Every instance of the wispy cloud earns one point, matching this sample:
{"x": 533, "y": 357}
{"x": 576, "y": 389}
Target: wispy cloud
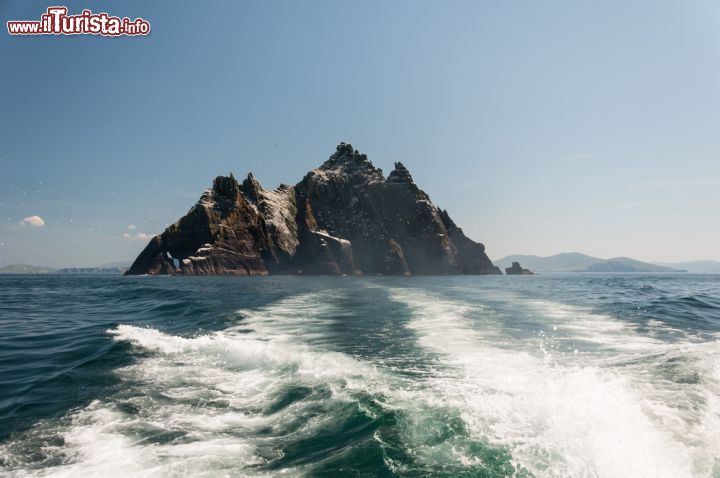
{"x": 131, "y": 227}
{"x": 35, "y": 221}
{"x": 140, "y": 236}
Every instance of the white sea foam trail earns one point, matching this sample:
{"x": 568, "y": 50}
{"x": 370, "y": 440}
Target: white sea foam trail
{"x": 219, "y": 404}
{"x": 652, "y": 411}
{"x": 348, "y": 381}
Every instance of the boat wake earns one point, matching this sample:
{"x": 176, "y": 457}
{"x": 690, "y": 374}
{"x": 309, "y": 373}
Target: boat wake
{"x": 311, "y": 385}
{"x": 630, "y": 405}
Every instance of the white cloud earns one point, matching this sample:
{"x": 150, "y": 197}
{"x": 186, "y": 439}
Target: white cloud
{"x": 36, "y": 221}
{"x": 131, "y": 227}
{"x": 140, "y": 236}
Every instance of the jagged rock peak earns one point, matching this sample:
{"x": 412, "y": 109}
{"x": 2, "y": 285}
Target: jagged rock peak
{"x": 226, "y": 187}
{"x": 344, "y": 217}
{"x": 346, "y": 156}
{"x": 446, "y": 219}
{"x": 251, "y": 188}
{"x": 400, "y": 174}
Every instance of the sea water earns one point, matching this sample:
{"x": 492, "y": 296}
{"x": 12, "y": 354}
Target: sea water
{"x": 547, "y": 376}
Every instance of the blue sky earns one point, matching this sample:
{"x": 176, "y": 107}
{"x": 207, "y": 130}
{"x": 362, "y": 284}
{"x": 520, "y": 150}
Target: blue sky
{"x": 542, "y": 127}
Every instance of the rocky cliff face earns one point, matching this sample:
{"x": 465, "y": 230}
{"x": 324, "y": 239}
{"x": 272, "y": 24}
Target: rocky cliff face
{"x": 344, "y": 217}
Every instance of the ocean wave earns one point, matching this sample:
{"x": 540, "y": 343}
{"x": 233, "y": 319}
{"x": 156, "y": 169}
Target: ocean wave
{"x": 375, "y": 377}
{"x": 563, "y": 413}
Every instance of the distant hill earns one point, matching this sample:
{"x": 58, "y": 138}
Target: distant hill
{"x": 110, "y": 268}
{"x": 626, "y": 264}
{"x": 91, "y": 270}
{"x": 25, "y": 269}
{"x": 698, "y": 267}
{"x": 577, "y": 262}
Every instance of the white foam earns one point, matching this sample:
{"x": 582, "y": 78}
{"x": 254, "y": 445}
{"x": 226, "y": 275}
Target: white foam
{"x": 209, "y": 393}
{"x": 570, "y": 415}
{"x": 581, "y": 324}
{"x": 608, "y": 411}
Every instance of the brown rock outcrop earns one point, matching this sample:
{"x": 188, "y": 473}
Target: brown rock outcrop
{"x": 344, "y": 217}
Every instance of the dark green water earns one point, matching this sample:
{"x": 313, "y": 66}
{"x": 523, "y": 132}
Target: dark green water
{"x": 546, "y": 376}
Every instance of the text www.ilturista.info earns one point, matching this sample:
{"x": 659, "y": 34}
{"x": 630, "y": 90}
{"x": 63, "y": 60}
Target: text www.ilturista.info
{"x": 56, "y": 21}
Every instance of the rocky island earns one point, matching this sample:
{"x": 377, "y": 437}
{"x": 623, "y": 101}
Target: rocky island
{"x": 517, "y": 270}
{"x": 344, "y": 217}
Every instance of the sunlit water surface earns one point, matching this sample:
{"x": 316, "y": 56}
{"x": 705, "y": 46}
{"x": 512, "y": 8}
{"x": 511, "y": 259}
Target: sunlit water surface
{"x": 546, "y": 376}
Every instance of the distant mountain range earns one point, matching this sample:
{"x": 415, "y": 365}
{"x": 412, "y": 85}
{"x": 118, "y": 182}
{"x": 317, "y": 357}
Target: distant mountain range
{"x": 25, "y": 269}
{"x": 91, "y": 270}
{"x": 112, "y": 268}
{"x": 698, "y": 267}
{"x": 577, "y": 262}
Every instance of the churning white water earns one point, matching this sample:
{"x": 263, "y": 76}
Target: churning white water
{"x": 396, "y": 377}
{"x": 614, "y": 409}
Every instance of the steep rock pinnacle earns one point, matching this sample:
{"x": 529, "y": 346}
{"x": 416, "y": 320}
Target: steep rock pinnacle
{"x": 344, "y": 217}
